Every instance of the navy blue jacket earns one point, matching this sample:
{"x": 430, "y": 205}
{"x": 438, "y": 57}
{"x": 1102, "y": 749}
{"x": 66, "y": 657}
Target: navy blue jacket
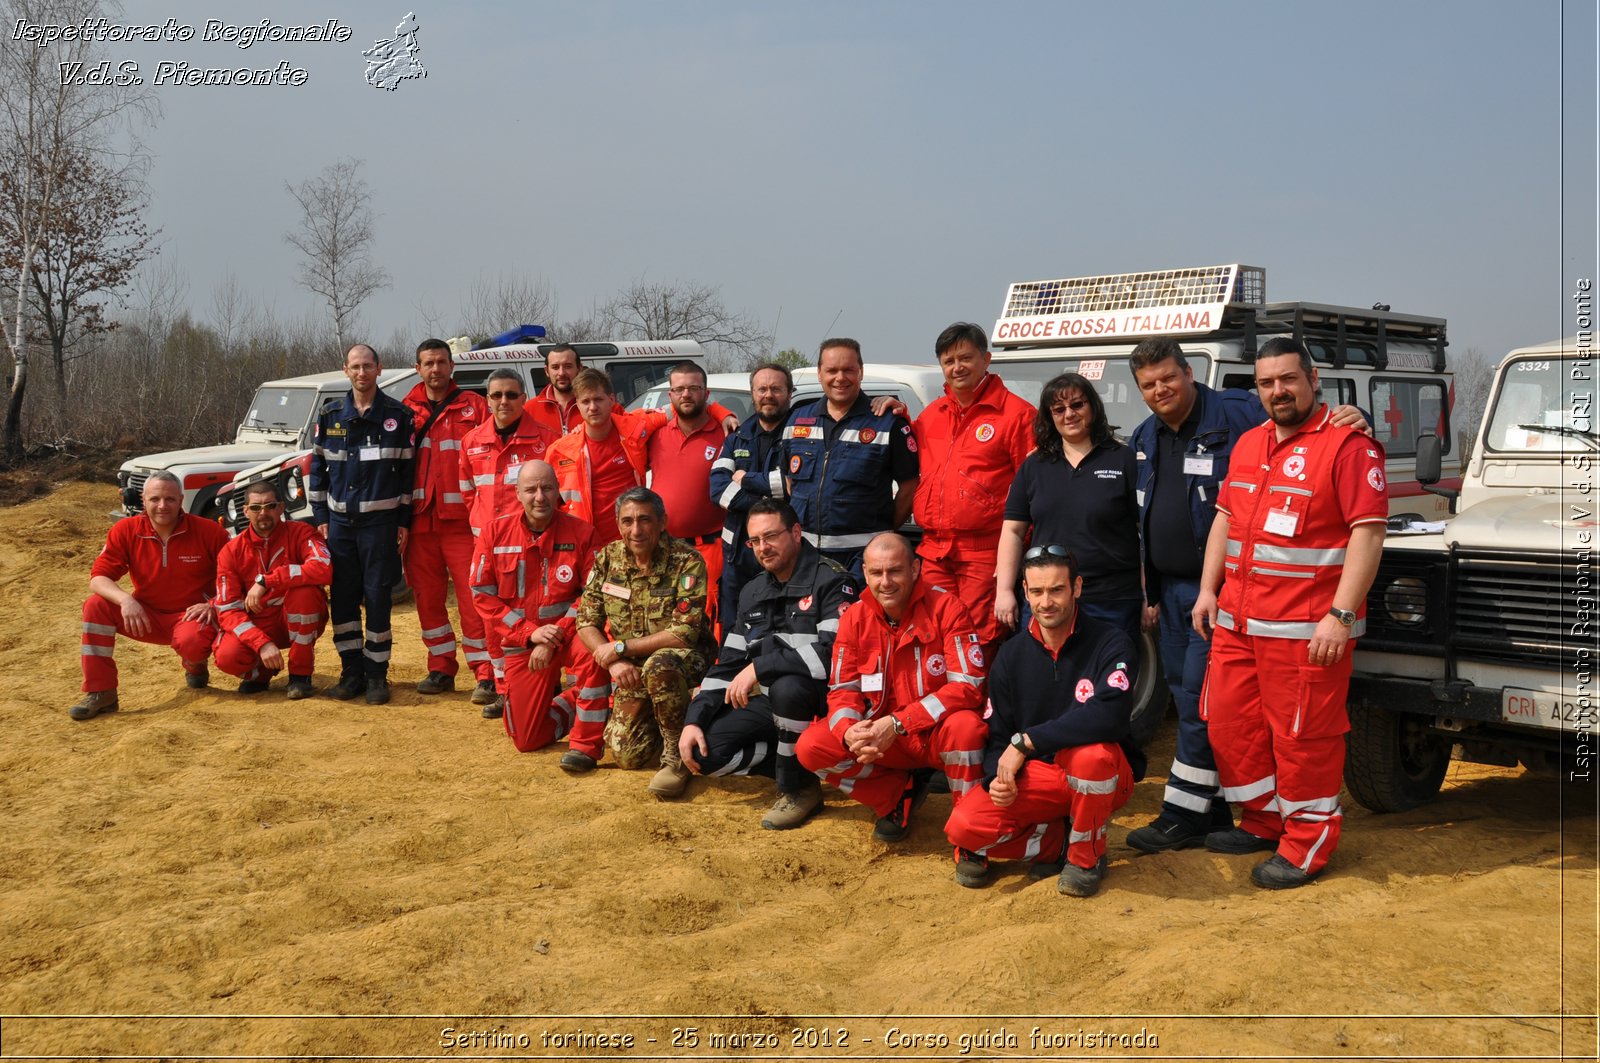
{"x": 841, "y": 473}
{"x": 361, "y": 464}
{"x": 756, "y": 452}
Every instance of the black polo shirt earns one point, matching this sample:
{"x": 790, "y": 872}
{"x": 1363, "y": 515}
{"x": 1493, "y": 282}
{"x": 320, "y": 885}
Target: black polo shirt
{"x": 1091, "y": 510}
{"x": 1170, "y": 528}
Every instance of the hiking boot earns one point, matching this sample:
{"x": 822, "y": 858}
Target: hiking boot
{"x": 254, "y": 685}
{"x": 198, "y": 679}
{"x": 1165, "y": 834}
{"x": 496, "y": 708}
{"x": 350, "y": 685}
{"x": 794, "y": 809}
{"x": 1276, "y": 873}
{"x": 483, "y": 693}
{"x": 93, "y": 704}
{"x": 299, "y": 687}
{"x": 672, "y": 778}
{"x": 897, "y": 824}
{"x": 378, "y": 690}
{"x": 1043, "y": 869}
{"x": 1237, "y": 841}
{"x": 972, "y": 869}
{"x": 575, "y": 763}
{"x": 1078, "y": 881}
{"x": 436, "y": 683}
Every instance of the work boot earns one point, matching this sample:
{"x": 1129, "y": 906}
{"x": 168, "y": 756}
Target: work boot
{"x": 256, "y": 682}
{"x": 672, "y": 778}
{"x": 574, "y": 762}
{"x": 1276, "y": 873}
{"x": 1078, "y": 881}
{"x": 496, "y": 707}
{"x": 972, "y": 869}
{"x": 377, "y": 690}
{"x": 794, "y": 809}
{"x": 1237, "y": 841}
{"x": 299, "y": 687}
{"x": 1049, "y": 868}
{"x": 196, "y": 677}
{"x": 1166, "y": 833}
{"x": 897, "y": 824}
{"x": 93, "y": 704}
{"x": 483, "y": 693}
{"x": 350, "y": 685}
{"x": 436, "y": 683}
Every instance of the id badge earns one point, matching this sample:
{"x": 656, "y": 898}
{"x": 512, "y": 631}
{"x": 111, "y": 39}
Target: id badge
{"x": 368, "y": 454}
{"x": 616, "y": 590}
{"x": 872, "y": 682}
{"x": 1197, "y": 464}
{"x": 1282, "y": 522}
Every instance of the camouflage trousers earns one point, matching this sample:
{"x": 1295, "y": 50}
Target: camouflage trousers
{"x": 640, "y": 739}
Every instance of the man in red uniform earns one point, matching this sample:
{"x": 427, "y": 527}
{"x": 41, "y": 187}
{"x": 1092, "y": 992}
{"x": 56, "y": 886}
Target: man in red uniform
{"x": 172, "y": 559}
{"x": 491, "y": 455}
{"x": 439, "y": 548}
{"x": 972, "y": 441}
{"x": 680, "y": 455}
{"x": 556, "y": 406}
{"x": 904, "y": 695}
{"x": 1294, "y": 548}
{"x": 270, "y": 594}
{"x": 530, "y": 569}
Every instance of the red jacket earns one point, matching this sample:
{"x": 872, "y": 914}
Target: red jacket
{"x": 294, "y": 556}
{"x": 571, "y": 458}
{"x": 521, "y": 582}
{"x": 969, "y": 458}
{"x": 489, "y": 466}
{"x": 922, "y": 670}
{"x": 167, "y": 577}
{"x": 546, "y": 408}
{"x": 439, "y": 494}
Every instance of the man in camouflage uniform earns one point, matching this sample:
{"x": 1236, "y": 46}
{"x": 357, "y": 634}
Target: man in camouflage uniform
{"x": 643, "y": 617}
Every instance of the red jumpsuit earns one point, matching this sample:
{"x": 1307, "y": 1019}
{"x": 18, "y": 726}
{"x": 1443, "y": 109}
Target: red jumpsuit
{"x": 439, "y": 547}
{"x": 167, "y": 578}
{"x": 969, "y": 458}
{"x": 295, "y": 562}
{"x": 1277, "y": 722}
{"x": 924, "y": 672}
{"x": 522, "y": 581}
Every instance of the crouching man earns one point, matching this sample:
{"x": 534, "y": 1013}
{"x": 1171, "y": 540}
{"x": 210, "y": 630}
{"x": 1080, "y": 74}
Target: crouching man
{"x": 907, "y": 681}
{"x": 270, "y": 594}
{"x": 526, "y": 579}
{"x": 1058, "y": 761}
{"x": 771, "y": 679}
{"x": 643, "y": 618}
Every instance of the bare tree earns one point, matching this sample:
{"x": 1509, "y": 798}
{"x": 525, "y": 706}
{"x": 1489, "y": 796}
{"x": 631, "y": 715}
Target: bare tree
{"x": 233, "y": 312}
{"x": 492, "y": 307}
{"x": 335, "y": 235}
{"x": 48, "y": 112}
{"x": 1474, "y": 373}
{"x": 683, "y": 311}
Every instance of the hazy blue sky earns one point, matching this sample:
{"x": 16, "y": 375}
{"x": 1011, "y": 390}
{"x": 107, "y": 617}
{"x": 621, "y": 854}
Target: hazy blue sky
{"x": 897, "y": 164}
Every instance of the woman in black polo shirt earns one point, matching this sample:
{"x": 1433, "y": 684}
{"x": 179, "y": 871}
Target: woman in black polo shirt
{"x": 1075, "y": 490}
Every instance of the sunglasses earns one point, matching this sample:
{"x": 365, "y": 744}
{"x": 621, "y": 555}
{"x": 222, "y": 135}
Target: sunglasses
{"x": 1052, "y": 550}
{"x": 262, "y": 507}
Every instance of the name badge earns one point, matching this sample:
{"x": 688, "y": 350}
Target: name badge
{"x": 616, "y": 591}
{"x": 872, "y": 682}
{"x": 1282, "y": 521}
{"x": 1197, "y": 464}
{"x": 368, "y": 454}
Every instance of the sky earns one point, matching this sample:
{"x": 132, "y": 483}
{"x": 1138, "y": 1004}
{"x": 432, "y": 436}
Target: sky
{"x": 879, "y": 169}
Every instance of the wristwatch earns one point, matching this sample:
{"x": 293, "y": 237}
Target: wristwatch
{"x": 621, "y": 646}
{"x": 1019, "y": 742}
{"x": 261, "y": 580}
{"x": 1344, "y": 616}
{"x": 899, "y": 728}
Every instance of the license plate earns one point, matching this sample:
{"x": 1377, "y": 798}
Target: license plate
{"x": 1541, "y": 708}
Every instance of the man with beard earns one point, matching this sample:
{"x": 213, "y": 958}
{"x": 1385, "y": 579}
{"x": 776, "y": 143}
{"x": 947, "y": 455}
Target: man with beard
{"x": 1294, "y": 548}
{"x": 556, "y": 406}
{"x": 748, "y": 471}
{"x": 679, "y": 456}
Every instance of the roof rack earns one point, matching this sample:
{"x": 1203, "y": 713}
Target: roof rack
{"x": 1375, "y": 328}
{"x": 1158, "y": 302}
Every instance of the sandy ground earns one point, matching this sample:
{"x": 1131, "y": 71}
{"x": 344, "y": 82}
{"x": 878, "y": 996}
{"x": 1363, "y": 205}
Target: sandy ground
{"x": 202, "y": 874}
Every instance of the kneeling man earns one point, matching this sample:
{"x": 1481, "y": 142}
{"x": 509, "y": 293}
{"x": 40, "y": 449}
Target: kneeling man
{"x": 771, "y": 679}
{"x": 907, "y": 683}
{"x": 1058, "y": 761}
{"x": 643, "y": 618}
{"x": 526, "y": 579}
{"x": 270, "y": 594}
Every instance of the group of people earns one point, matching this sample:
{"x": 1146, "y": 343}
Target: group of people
{"x": 733, "y": 599}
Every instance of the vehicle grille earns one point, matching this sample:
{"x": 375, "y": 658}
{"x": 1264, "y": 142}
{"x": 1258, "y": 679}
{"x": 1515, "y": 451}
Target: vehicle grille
{"x": 1524, "y": 611}
{"x": 133, "y": 493}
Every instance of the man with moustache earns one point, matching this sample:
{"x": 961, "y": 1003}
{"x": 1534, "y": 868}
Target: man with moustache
{"x": 748, "y": 471}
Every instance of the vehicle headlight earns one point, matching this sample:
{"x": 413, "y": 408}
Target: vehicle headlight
{"x": 294, "y": 490}
{"x": 1406, "y": 601}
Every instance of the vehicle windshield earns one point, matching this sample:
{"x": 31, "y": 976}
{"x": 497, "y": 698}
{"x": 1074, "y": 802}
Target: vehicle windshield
{"x": 1534, "y": 412}
{"x": 1111, "y": 377}
{"x": 280, "y": 409}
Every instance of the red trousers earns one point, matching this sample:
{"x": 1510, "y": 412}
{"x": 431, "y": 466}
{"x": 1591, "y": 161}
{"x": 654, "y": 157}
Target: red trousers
{"x": 102, "y": 623}
{"x": 1277, "y": 726}
{"x": 1083, "y": 784}
{"x": 954, "y": 746}
{"x": 968, "y": 574}
{"x": 433, "y": 558}
{"x": 712, "y": 553}
{"x": 535, "y": 713}
{"x": 297, "y": 624}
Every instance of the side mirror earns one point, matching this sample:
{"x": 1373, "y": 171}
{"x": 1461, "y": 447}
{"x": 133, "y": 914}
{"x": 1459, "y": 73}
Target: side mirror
{"x": 1429, "y": 461}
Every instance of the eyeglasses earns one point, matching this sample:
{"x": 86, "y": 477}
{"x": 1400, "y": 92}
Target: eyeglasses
{"x": 262, "y": 507}
{"x": 1052, "y": 550}
{"x": 1061, "y": 408}
{"x": 687, "y": 389}
{"x": 769, "y": 539}
{"x": 504, "y": 396}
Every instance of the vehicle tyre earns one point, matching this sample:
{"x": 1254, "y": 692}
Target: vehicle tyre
{"x": 1393, "y": 762}
{"x": 1150, "y": 694}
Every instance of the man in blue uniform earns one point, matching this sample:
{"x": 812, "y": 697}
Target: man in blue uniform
{"x": 747, "y": 472}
